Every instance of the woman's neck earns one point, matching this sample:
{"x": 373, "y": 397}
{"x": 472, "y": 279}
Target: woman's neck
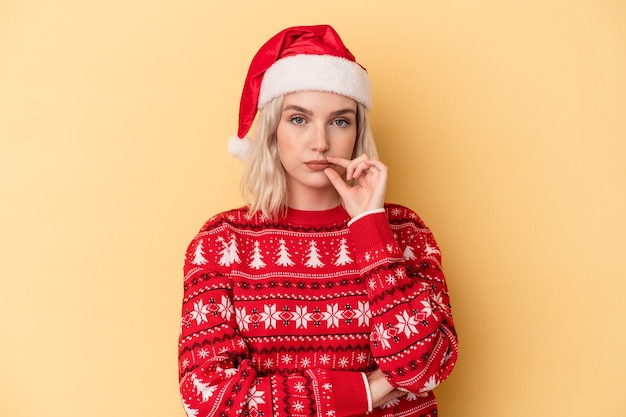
{"x": 314, "y": 201}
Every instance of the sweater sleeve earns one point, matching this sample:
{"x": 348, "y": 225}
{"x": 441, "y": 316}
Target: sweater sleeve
{"x": 413, "y": 338}
{"x": 216, "y": 373}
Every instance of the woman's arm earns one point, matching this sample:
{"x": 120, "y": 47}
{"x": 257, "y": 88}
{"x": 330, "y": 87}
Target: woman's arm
{"x": 217, "y": 376}
{"x": 413, "y": 338}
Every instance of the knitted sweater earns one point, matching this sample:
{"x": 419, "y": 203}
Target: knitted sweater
{"x": 287, "y": 317}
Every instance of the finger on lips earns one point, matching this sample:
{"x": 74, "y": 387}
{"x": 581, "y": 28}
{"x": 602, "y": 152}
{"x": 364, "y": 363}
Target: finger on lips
{"x": 338, "y": 161}
{"x": 356, "y": 167}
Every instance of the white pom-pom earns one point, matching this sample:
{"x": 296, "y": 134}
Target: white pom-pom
{"x": 238, "y": 147}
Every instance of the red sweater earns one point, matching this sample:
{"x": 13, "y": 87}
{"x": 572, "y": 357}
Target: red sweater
{"x": 285, "y": 318}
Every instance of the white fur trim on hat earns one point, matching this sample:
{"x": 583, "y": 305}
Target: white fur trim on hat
{"x": 316, "y": 73}
{"x": 239, "y": 147}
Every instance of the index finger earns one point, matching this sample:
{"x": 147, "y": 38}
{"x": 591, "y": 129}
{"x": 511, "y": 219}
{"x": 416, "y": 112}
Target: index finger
{"x": 342, "y": 162}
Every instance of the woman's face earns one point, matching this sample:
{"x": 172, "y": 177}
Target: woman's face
{"x": 314, "y": 125}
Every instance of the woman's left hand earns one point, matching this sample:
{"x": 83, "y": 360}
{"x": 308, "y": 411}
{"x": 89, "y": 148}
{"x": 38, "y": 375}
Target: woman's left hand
{"x": 369, "y": 183}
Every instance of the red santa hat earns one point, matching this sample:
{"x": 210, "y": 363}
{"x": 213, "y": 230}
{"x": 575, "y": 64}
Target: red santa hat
{"x": 302, "y": 58}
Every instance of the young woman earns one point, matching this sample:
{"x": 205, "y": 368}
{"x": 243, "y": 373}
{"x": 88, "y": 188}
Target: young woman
{"x": 317, "y": 298}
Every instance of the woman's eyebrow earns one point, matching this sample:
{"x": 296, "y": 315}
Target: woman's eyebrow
{"x": 343, "y": 111}
{"x": 309, "y": 112}
{"x": 298, "y": 109}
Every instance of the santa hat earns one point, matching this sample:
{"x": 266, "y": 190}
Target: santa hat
{"x": 302, "y": 58}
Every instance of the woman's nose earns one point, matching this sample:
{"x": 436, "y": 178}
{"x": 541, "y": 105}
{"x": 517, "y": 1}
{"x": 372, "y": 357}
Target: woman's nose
{"x": 320, "y": 138}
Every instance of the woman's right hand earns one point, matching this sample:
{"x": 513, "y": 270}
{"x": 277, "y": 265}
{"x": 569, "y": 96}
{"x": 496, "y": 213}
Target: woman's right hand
{"x": 369, "y": 183}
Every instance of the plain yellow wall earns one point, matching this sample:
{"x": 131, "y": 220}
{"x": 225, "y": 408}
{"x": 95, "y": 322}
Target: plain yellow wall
{"x": 503, "y": 123}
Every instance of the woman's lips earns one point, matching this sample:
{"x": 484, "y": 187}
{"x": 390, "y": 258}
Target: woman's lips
{"x": 318, "y": 165}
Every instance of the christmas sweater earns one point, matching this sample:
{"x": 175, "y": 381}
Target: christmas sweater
{"x": 286, "y": 317}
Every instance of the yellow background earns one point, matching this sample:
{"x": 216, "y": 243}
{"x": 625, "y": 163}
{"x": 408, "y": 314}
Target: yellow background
{"x": 503, "y": 123}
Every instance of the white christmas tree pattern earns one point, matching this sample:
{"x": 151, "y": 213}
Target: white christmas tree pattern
{"x": 205, "y": 389}
{"x": 198, "y": 258}
{"x": 229, "y": 252}
{"x": 233, "y": 251}
{"x": 257, "y": 258}
{"x": 314, "y": 260}
{"x": 343, "y": 256}
{"x": 284, "y": 258}
{"x": 225, "y": 259}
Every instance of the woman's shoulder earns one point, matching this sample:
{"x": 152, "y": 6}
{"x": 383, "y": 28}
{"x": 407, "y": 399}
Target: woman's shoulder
{"x": 236, "y": 217}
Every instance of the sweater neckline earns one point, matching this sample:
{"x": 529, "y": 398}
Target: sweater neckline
{"x": 317, "y": 217}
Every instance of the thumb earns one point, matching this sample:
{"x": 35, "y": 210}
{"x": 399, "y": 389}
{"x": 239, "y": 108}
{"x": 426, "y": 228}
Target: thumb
{"x": 337, "y": 181}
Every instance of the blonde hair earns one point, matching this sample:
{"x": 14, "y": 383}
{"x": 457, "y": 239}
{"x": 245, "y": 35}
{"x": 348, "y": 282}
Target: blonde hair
{"x": 263, "y": 184}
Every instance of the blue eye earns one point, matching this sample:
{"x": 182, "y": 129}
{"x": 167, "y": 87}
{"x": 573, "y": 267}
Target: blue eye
{"x": 297, "y": 120}
{"x": 341, "y": 122}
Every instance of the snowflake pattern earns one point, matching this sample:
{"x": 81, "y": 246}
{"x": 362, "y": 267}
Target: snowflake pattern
{"x": 363, "y": 314}
{"x": 407, "y": 324}
{"x": 301, "y": 317}
{"x": 199, "y": 313}
{"x": 381, "y": 335}
{"x": 428, "y": 308}
{"x": 298, "y": 406}
{"x": 255, "y": 397}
